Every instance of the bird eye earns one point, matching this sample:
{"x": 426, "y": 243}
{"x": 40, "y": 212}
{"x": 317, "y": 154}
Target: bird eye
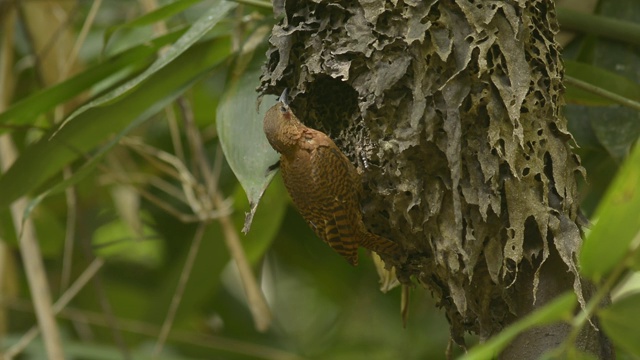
{"x": 283, "y": 109}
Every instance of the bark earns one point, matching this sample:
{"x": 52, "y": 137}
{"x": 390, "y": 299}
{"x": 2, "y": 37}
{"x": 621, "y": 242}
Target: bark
{"x": 451, "y": 109}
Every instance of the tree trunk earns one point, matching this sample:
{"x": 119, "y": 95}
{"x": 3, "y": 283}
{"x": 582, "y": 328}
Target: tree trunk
{"x": 451, "y": 109}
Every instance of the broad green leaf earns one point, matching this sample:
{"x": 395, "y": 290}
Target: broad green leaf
{"x": 267, "y": 220}
{"x": 95, "y": 124}
{"x": 559, "y": 309}
{"x": 26, "y": 110}
{"x": 616, "y": 129}
{"x": 152, "y": 17}
{"x": 601, "y": 78}
{"x": 620, "y": 322}
{"x": 245, "y": 146}
{"x": 618, "y": 222}
{"x": 635, "y": 261}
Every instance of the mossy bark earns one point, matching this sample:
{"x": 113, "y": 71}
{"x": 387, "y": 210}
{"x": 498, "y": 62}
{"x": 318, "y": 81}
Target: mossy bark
{"x": 451, "y": 109}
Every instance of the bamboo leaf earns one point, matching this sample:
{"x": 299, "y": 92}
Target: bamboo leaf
{"x": 26, "y": 110}
{"x": 152, "y": 17}
{"x": 195, "y": 32}
{"x": 618, "y": 222}
{"x": 621, "y": 320}
{"x": 559, "y": 309}
{"x": 95, "y": 124}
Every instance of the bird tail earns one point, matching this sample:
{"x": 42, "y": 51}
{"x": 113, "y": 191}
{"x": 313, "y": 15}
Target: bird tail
{"x": 382, "y": 246}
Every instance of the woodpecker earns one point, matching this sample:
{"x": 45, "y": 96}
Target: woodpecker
{"x": 324, "y": 185}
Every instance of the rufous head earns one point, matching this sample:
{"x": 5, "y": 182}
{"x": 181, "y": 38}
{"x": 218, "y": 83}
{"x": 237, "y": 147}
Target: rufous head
{"x": 280, "y": 124}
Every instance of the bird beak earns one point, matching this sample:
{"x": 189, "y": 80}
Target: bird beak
{"x": 284, "y": 97}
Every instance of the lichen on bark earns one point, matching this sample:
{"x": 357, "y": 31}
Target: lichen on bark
{"x": 451, "y": 109}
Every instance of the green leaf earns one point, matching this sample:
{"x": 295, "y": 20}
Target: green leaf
{"x": 559, "y": 309}
{"x": 246, "y": 148}
{"x": 152, "y": 17}
{"x": 601, "y": 78}
{"x": 195, "y": 32}
{"x": 213, "y": 256}
{"x": 617, "y": 131}
{"x": 117, "y": 240}
{"x": 26, "y": 110}
{"x": 603, "y": 26}
{"x": 618, "y": 222}
{"x": 267, "y": 221}
{"x": 620, "y": 321}
{"x": 95, "y": 124}
{"x": 83, "y": 171}
{"x": 144, "y": 95}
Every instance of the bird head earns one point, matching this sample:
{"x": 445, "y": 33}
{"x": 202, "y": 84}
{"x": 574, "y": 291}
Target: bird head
{"x": 280, "y": 124}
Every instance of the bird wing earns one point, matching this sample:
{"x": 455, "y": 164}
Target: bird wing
{"x": 340, "y": 234}
{"x": 332, "y": 171}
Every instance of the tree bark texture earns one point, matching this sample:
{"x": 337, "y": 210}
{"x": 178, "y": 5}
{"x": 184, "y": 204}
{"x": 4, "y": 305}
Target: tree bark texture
{"x": 451, "y": 110}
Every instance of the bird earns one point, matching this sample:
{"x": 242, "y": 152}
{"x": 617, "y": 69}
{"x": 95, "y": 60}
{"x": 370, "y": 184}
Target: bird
{"x": 324, "y": 185}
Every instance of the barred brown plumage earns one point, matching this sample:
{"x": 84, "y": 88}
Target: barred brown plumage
{"x": 324, "y": 185}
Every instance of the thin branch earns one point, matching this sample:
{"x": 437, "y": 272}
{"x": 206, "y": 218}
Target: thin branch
{"x": 70, "y": 191}
{"x": 217, "y": 167}
{"x": 238, "y": 29}
{"x": 195, "y": 141}
{"x": 192, "y": 133}
{"x": 113, "y": 177}
{"x": 185, "y": 218}
{"x": 105, "y": 305}
{"x": 174, "y": 131}
{"x": 7, "y": 24}
{"x": 602, "y": 92}
{"x": 107, "y": 309}
{"x": 33, "y": 263}
{"x": 182, "y": 283}
{"x": 192, "y": 338}
{"x": 138, "y": 179}
{"x": 198, "y": 204}
{"x": 86, "y": 26}
{"x": 616, "y": 29}
{"x": 258, "y": 3}
{"x": 159, "y": 27}
{"x": 167, "y": 187}
{"x": 255, "y": 297}
{"x": 70, "y": 233}
{"x": 62, "y": 302}
{"x": 149, "y": 154}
